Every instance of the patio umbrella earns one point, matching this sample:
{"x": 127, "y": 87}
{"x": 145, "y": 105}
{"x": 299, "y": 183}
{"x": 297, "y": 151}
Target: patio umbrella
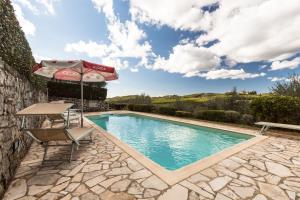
{"x": 75, "y": 70}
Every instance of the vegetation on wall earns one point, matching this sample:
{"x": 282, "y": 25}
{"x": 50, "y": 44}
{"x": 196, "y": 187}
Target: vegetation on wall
{"x": 14, "y": 47}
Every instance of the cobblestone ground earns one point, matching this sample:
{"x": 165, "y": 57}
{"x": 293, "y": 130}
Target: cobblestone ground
{"x": 268, "y": 170}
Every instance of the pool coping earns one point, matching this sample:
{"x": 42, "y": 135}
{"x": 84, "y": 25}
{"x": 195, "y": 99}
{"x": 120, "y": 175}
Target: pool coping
{"x": 175, "y": 176}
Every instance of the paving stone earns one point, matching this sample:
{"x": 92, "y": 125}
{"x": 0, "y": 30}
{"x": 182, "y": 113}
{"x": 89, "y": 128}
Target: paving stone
{"x": 260, "y": 197}
{"x": 151, "y": 193}
{"x": 89, "y": 196}
{"x": 229, "y": 193}
{"x": 51, "y": 196}
{"x": 144, "y": 173}
{"x": 197, "y": 189}
{"x": 35, "y": 189}
{"x": 91, "y": 168}
{"x": 155, "y": 183}
{"x": 110, "y": 181}
{"x": 94, "y": 181}
{"x": 46, "y": 179}
{"x": 107, "y": 195}
{"x": 77, "y": 177}
{"x": 205, "y": 187}
{"x": 133, "y": 164}
{"x": 273, "y": 179}
{"x": 193, "y": 196}
{"x": 246, "y": 172}
{"x": 119, "y": 171}
{"x": 272, "y": 191}
{"x": 81, "y": 189}
{"x": 176, "y": 192}
{"x": 60, "y": 187}
{"x": 209, "y": 173}
{"x": 74, "y": 171}
{"x": 72, "y": 187}
{"x": 97, "y": 189}
{"x": 230, "y": 164}
{"x": 62, "y": 180}
{"x": 120, "y": 186}
{"x": 278, "y": 169}
{"x": 221, "y": 197}
{"x": 219, "y": 182}
{"x": 135, "y": 189}
{"x": 90, "y": 175}
{"x": 197, "y": 178}
{"x": 258, "y": 164}
{"x": 243, "y": 192}
{"x": 16, "y": 189}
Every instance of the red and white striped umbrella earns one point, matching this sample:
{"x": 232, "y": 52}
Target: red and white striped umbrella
{"x": 75, "y": 70}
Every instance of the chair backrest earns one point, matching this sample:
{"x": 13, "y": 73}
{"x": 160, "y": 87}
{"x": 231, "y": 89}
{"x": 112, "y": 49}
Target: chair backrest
{"x": 48, "y": 134}
{"x": 55, "y": 117}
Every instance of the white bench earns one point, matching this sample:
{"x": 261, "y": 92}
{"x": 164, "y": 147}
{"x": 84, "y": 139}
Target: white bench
{"x": 267, "y": 125}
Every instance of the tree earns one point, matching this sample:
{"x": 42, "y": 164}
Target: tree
{"x": 288, "y": 88}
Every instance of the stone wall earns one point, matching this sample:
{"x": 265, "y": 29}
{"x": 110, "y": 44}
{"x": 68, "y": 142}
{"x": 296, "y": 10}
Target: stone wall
{"x": 16, "y": 93}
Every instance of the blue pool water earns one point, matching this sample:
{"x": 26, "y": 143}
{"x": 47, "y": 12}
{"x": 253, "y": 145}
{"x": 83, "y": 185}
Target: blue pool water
{"x": 170, "y": 144}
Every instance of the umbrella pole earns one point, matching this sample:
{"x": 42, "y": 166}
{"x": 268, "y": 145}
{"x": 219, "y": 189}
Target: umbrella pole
{"x": 81, "y": 83}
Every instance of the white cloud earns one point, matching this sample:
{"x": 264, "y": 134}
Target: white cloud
{"x": 126, "y": 40}
{"x": 38, "y": 58}
{"x": 27, "y": 26}
{"x": 48, "y": 5}
{"x": 105, "y": 6}
{"x": 92, "y": 49}
{"x": 187, "y": 59}
{"x": 185, "y": 15}
{"x": 134, "y": 69}
{"x": 275, "y": 79}
{"x": 285, "y": 64}
{"x": 254, "y": 30}
{"x": 27, "y": 4}
{"x": 230, "y": 74}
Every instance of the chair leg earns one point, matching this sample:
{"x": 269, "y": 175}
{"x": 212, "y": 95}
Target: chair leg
{"x": 45, "y": 151}
{"x": 72, "y": 149}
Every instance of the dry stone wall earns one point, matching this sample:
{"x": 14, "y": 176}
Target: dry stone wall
{"x": 16, "y": 93}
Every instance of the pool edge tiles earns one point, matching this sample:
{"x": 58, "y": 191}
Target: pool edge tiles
{"x": 174, "y": 176}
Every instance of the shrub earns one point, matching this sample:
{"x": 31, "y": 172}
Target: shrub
{"x": 232, "y": 116}
{"x": 247, "y": 119}
{"x": 140, "y": 107}
{"x": 213, "y": 115}
{"x": 166, "y": 110}
{"x": 183, "y": 114}
{"x": 280, "y": 109}
{"x": 118, "y": 106}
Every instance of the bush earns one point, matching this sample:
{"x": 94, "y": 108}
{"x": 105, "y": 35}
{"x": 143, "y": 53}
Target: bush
{"x": 232, "y": 116}
{"x": 166, "y": 110}
{"x": 278, "y": 109}
{"x": 247, "y": 119}
{"x": 140, "y": 107}
{"x": 183, "y": 114}
{"x": 118, "y": 106}
{"x": 212, "y": 115}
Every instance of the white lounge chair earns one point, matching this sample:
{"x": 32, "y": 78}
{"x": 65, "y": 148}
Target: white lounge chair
{"x": 267, "y": 125}
{"x": 46, "y": 135}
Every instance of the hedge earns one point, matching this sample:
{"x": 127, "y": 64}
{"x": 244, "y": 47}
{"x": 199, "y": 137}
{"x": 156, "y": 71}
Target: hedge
{"x": 181, "y": 113}
{"x": 140, "y": 107}
{"x": 73, "y": 90}
{"x": 166, "y": 110}
{"x": 279, "y": 109}
{"x": 212, "y": 115}
{"x": 14, "y": 47}
{"x": 118, "y": 106}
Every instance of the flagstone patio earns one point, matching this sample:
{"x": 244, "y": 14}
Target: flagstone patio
{"x": 267, "y": 170}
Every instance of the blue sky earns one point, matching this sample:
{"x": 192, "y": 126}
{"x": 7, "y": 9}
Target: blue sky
{"x": 165, "y": 47}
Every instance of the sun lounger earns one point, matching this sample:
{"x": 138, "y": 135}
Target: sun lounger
{"x": 46, "y": 135}
{"x": 267, "y": 125}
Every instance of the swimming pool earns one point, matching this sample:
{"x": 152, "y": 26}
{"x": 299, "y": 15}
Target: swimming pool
{"x": 171, "y": 144}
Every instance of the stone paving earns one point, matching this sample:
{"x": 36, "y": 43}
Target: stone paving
{"x": 267, "y": 170}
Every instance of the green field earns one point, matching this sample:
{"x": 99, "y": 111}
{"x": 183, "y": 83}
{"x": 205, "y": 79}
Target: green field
{"x": 193, "y": 98}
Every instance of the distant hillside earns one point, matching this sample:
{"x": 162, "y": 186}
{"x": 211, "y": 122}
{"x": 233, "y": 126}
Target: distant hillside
{"x": 193, "y": 98}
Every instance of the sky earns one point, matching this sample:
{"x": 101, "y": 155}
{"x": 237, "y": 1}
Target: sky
{"x": 165, "y": 47}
